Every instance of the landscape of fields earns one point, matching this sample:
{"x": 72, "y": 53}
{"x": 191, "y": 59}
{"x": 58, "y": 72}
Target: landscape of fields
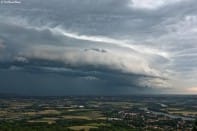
{"x": 98, "y": 113}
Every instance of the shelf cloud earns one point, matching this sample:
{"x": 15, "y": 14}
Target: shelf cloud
{"x": 126, "y": 46}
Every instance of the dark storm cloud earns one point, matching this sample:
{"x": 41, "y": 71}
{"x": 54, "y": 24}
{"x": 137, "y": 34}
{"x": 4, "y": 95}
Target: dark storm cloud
{"x": 46, "y": 84}
{"x": 51, "y": 78}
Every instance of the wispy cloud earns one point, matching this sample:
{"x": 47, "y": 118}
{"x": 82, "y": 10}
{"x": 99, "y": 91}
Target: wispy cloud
{"x": 107, "y": 40}
{"x": 151, "y": 4}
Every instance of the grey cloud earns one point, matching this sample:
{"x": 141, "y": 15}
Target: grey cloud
{"x": 67, "y": 81}
{"x": 54, "y": 47}
{"x": 96, "y": 49}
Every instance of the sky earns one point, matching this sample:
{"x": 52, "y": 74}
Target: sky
{"x": 98, "y": 47}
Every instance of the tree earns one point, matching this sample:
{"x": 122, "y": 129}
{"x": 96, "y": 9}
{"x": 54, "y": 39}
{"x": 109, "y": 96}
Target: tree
{"x": 195, "y": 126}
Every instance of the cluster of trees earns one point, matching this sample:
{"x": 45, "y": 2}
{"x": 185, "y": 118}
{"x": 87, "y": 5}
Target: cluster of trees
{"x": 63, "y": 126}
{"x": 7, "y": 126}
{"x": 195, "y": 126}
{"x": 114, "y": 128}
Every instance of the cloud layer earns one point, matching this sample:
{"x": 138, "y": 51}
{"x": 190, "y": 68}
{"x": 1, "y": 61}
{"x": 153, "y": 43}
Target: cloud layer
{"x": 127, "y": 46}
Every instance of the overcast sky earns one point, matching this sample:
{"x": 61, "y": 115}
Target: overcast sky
{"x": 98, "y": 47}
